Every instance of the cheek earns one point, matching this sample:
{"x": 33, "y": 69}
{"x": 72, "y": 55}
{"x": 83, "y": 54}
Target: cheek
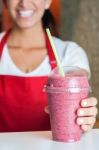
{"x": 11, "y": 5}
{"x": 40, "y": 4}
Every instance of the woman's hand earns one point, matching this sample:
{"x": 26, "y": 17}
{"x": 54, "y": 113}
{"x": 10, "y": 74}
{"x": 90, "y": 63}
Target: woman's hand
{"x": 87, "y": 114}
{"x": 46, "y": 109}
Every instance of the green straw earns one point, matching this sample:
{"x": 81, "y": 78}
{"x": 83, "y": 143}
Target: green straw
{"x": 55, "y": 53}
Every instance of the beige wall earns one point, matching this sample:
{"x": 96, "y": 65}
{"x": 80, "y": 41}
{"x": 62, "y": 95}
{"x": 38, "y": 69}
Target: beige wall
{"x": 0, "y": 6}
{"x": 80, "y": 23}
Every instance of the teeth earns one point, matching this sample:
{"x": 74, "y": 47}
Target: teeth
{"x": 26, "y": 13}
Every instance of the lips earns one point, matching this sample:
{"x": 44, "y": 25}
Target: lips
{"x": 25, "y": 13}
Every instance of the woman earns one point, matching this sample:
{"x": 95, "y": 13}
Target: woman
{"x": 26, "y": 60}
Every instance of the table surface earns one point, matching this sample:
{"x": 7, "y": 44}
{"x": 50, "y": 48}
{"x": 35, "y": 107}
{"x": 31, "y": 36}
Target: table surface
{"x": 43, "y": 141}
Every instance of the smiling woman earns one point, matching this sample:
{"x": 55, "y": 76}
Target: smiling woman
{"x": 55, "y": 9}
{"x": 26, "y": 59}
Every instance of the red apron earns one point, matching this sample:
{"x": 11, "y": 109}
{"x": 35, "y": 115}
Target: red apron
{"x": 22, "y": 99}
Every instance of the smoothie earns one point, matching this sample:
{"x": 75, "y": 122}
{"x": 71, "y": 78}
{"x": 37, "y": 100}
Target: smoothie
{"x": 64, "y": 98}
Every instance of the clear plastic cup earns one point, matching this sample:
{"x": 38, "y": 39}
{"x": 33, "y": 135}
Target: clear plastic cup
{"x": 64, "y": 99}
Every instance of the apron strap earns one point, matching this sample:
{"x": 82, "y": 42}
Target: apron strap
{"x": 52, "y": 59}
{"x": 3, "y": 41}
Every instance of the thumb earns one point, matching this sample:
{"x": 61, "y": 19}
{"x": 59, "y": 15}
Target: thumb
{"x": 46, "y": 109}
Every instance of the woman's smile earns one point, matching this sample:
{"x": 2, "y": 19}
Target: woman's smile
{"x": 25, "y": 13}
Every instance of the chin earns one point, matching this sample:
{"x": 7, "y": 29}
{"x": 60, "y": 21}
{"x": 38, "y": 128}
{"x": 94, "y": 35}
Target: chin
{"x": 25, "y": 26}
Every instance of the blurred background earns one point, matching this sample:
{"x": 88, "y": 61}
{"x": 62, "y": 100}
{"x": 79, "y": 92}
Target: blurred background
{"x": 77, "y": 20}
{"x": 80, "y": 23}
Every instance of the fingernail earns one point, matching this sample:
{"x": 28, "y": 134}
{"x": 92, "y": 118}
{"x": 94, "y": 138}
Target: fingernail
{"x": 84, "y": 127}
{"x": 79, "y": 121}
{"x": 81, "y": 112}
{"x": 84, "y": 103}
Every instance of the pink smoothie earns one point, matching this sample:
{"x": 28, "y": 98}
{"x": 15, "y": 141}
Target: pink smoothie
{"x": 64, "y": 98}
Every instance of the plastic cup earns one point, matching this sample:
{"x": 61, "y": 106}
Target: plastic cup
{"x": 64, "y": 99}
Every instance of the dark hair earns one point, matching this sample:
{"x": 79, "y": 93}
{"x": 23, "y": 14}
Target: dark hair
{"x": 49, "y": 22}
{"x": 4, "y": 1}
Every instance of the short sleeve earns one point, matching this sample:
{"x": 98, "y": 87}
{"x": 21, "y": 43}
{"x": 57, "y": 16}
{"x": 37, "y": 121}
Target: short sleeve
{"x": 74, "y": 55}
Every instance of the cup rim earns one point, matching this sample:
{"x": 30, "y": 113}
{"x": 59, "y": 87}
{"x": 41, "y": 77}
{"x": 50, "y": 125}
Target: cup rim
{"x": 71, "y": 71}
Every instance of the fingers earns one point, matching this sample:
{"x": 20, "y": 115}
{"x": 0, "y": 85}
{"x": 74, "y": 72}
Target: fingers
{"x": 89, "y": 102}
{"x": 87, "y": 114}
{"x": 86, "y": 127}
{"x": 91, "y": 111}
{"x": 86, "y": 121}
{"x": 46, "y": 109}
